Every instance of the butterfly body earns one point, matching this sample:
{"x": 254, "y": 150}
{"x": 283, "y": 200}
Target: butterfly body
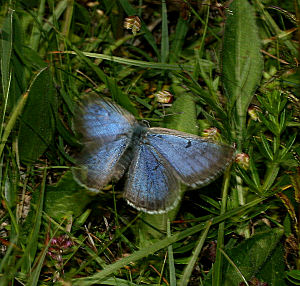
{"x": 155, "y": 160}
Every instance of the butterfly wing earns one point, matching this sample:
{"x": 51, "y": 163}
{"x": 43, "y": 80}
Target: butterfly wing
{"x": 196, "y": 161}
{"x": 106, "y": 131}
{"x": 98, "y": 164}
{"x": 102, "y": 120}
{"x": 151, "y": 184}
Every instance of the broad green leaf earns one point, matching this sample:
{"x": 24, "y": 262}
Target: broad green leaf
{"x": 253, "y": 255}
{"x": 66, "y": 198}
{"x": 241, "y": 61}
{"x": 183, "y": 115}
{"x": 19, "y": 82}
{"x": 37, "y": 122}
{"x": 272, "y": 270}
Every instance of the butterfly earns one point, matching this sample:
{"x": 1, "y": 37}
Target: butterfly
{"x": 155, "y": 160}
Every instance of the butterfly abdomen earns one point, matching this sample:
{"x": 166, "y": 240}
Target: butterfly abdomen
{"x": 135, "y": 140}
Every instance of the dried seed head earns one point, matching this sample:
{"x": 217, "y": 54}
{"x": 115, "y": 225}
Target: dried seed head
{"x": 212, "y": 133}
{"x": 133, "y": 23}
{"x": 253, "y": 112}
{"x": 164, "y": 96}
{"x": 242, "y": 160}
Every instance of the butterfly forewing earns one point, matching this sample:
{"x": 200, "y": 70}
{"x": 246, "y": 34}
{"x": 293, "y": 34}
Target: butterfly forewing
{"x": 102, "y": 120}
{"x": 196, "y": 161}
{"x": 151, "y": 184}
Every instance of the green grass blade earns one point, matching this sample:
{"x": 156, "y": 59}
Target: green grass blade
{"x": 6, "y": 50}
{"x": 32, "y": 242}
{"x": 12, "y": 120}
{"x": 5, "y": 100}
{"x": 16, "y": 229}
{"x": 36, "y": 33}
{"x": 274, "y": 28}
{"x": 179, "y": 38}
{"x": 59, "y": 9}
{"x": 189, "y": 268}
{"x": 265, "y": 148}
{"x": 142, "y": 64}
{"x": 35, "y": 275}
{"x": 217, "y": 268}
{"x": 288, "y": 146}
{"x": 234, "y": 266}
{"x": 117, "y": 282}
{"x": 171, "y": 258}
{"x": 165, "y": 33}
{"x": 7, "y": 262}
{"x": 150, "y": 249}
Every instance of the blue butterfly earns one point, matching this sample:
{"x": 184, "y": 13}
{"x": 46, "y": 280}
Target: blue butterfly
{"x": 156, "y": 159}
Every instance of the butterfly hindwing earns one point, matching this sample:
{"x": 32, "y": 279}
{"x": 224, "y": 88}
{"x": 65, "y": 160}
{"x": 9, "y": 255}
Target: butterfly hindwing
{"x": 196, "y": 161}
{"x": 98, "y": 165}
{"x": 151, "y": 183}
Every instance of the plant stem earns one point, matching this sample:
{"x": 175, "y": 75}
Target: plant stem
{"x": 217, "y": 269}
{"x": 36, "y": 33}
{"x": 67, "y": 21}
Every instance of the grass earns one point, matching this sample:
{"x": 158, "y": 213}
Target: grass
{"x": 232, "y": 66}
